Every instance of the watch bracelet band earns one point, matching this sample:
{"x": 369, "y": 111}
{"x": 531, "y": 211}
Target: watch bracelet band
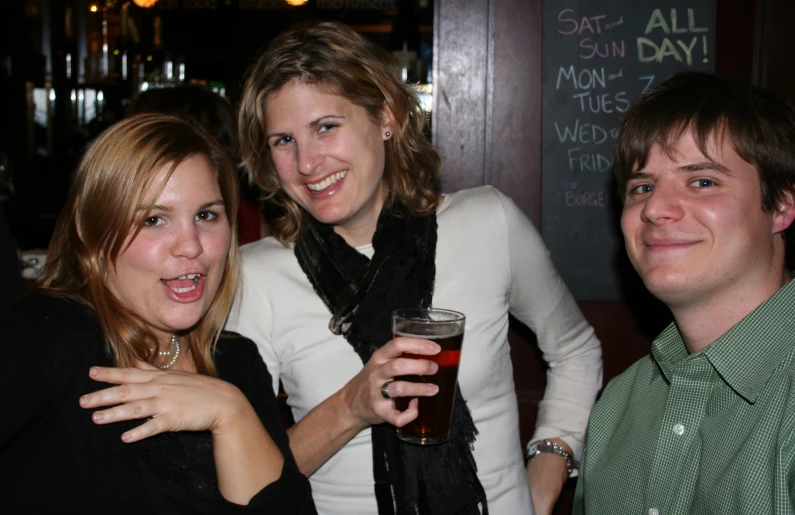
{"x": 549, "y": 447}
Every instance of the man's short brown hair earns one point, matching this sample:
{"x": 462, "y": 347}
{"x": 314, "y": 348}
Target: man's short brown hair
{"x": 758, "y": 123}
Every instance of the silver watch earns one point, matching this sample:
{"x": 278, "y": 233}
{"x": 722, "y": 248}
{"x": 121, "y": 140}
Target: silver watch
{"x": 550, "y": 447}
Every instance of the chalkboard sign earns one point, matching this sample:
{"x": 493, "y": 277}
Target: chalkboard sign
{"x": 598, "y": 55}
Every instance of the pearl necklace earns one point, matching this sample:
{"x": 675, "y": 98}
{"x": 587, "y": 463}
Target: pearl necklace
{"x": 173, "y": 350}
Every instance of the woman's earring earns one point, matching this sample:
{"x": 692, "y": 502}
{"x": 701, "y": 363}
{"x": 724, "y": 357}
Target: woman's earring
{"x": 387, "y": 134}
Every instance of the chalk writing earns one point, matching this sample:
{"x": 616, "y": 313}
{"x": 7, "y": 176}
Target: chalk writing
{"x": 597, "y": 57}
{"x": 619, "y": 21}
{"x": 584, "y": 133}
{"x": 658, "y": 21}
{"x": 649, "y": 51}
{"x": 610, "y": 49}
{"x": 604, "y": 103}
{"x": 577, "y": 25}
{"x": 585, "y": 199}
{"x": 580, "y": 161}
{"x": 680, "y": 49}
{"x": 584, "y": 79}
{"x": 649, "y": 80}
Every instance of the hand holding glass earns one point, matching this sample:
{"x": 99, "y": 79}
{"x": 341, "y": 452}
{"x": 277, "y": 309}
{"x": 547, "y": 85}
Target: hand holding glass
{"x": 446, "y": 328}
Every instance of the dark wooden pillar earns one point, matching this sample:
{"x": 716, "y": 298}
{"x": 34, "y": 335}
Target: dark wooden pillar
{"x": 462, "y": 41}
{"x": 487, "y": 96}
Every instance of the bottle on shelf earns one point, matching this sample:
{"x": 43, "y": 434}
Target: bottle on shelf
{"x": 123, "y": 53}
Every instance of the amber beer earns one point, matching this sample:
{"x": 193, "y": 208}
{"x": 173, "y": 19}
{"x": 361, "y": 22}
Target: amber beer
{"x": 446, "y": 328}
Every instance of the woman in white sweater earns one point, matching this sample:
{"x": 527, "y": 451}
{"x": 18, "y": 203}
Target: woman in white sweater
{"x": 330, "y": 133}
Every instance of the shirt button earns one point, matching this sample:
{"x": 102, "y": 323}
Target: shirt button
{"x": 679, "y": 430}
{"x": 654, "y": 511}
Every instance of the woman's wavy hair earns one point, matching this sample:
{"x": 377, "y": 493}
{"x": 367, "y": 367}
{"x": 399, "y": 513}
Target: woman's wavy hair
{"x": 336, "y": 59}
{"x": 101, "y": 218}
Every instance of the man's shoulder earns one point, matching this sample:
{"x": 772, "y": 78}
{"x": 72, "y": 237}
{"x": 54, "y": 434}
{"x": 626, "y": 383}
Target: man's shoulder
{"x": 633, "y": 382}
{"x": 630, "y": 403}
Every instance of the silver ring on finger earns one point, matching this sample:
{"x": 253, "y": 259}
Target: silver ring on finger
{"x": 385, "y": 390}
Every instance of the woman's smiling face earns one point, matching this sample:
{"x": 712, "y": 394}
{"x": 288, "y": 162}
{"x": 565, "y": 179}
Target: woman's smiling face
{"x": 329, "y": 154}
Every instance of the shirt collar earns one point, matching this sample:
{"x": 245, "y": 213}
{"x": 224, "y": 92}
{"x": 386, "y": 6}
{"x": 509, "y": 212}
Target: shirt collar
{"x": 669, "y": 350}
{"x": 747, "y": 354}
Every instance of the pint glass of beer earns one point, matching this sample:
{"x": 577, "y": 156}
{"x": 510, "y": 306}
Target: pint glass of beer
{"x": 446, "y": 328}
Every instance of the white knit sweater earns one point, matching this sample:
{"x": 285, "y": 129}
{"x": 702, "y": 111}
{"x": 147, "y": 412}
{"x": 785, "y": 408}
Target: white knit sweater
{"x": 490, "y": 261}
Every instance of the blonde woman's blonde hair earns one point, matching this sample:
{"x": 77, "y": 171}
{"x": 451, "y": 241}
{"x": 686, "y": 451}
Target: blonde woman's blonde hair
{"x": 101, "y": 217}
{"x": 337, "y": 60}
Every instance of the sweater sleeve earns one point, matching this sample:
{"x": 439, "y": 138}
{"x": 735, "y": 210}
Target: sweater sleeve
{"x": 251, "y": 314}
{"x": 239, "y": 363}
{"x": 541, "y": 300}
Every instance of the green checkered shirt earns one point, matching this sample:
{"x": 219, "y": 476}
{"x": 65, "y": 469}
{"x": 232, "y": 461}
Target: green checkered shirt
{"x": 703, "y": 433}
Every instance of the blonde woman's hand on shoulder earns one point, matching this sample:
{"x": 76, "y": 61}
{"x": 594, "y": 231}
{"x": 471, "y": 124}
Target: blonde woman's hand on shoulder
{"x": 246, "y": 458}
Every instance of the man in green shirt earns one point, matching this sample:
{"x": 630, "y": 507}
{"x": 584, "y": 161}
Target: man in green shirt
{"x": 706, "y": 423}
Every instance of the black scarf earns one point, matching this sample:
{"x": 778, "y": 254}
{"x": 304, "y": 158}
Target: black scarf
{"x": 361, "y": 295}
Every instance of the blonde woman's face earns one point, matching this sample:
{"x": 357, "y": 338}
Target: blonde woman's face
{"x": 169, "y": 274}
{"x": 329, "y": 155}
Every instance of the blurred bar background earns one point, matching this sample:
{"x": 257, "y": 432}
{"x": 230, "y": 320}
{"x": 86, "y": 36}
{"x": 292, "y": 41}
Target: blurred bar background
{"x": 70, "y": 68}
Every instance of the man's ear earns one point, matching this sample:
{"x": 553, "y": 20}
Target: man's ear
{"x": 387, "y": 123}
{"x": 784, "y": 213}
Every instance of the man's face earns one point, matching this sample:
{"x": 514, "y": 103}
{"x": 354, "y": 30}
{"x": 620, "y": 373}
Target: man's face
{"x": 694, "y": 227}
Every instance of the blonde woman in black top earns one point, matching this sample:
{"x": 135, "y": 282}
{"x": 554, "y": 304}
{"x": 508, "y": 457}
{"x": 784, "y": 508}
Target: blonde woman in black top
{"x": 119, "y": 395}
